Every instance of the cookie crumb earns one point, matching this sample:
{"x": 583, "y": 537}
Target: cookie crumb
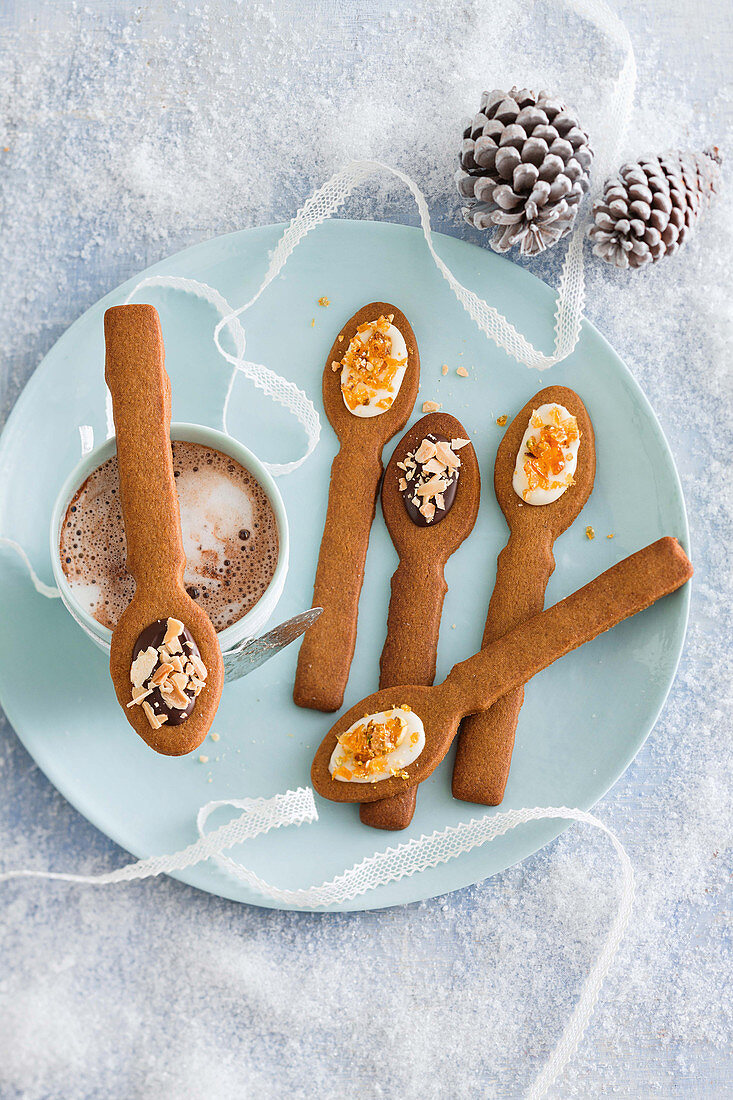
{"x": 215, "y": 737}
{"x": 590, "y": 533}
{"x": 444, "y": 368}
{"x": 203, "y": 759}
{"x": 501, "y": 420}
{"x": 431, "y": 406}
{"x": 324, "y": 301}
{"x": 462, "y": 372}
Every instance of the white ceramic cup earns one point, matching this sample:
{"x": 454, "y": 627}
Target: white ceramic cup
{"x": 232, "y": 637}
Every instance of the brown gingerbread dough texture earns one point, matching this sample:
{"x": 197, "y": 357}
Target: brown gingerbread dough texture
{"x": 504, "y": 665}
{"x": 328, "y": 646}
{"x": 424, "y": 546}
{"x": 164, "y": 644}
{"x": 524, "y": 567}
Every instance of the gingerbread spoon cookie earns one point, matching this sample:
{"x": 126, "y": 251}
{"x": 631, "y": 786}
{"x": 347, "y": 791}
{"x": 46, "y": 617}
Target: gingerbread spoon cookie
{"x": 396, "y": 737}
{"x": 370, "y": 383}
{"x": 543, "y": 475}
{"x": 430, "y": 498}
{"x": 165, "y": 660}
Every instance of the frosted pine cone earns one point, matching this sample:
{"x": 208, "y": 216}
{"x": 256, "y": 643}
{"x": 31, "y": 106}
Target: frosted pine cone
{"x": 525, "y": 166}
{"x": 650, "y": 208}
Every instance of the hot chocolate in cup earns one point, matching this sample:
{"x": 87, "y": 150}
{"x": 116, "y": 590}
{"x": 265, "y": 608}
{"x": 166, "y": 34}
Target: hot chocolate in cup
{"x": 235, "y": 535}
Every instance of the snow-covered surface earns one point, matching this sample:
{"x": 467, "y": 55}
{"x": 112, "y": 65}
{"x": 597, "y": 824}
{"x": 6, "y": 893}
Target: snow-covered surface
{"x": 131, "y": 130}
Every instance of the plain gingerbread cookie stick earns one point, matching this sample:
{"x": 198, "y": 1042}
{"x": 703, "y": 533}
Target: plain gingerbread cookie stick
{"x": 524, "y": 567}
{"x": 328, "y": 646}
{"x": 165, "y": 660}
{"x": 473, "y": 685}
{"x": 418, "y": 585}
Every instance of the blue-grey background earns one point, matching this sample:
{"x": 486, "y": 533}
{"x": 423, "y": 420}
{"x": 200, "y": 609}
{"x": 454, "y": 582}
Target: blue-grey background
{"x": 130, "y": 130}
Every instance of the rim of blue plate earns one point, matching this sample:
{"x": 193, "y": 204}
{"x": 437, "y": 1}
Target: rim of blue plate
{"x": 684, "y": 595}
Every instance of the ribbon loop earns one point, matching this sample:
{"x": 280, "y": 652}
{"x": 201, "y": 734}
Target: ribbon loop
{"x": 260, "y": 815}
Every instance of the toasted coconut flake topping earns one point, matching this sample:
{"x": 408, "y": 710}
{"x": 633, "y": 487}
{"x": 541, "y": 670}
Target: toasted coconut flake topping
{"x": 171, "y": 679}
{"x": 143, "y": 666}
{"x": 174, "y": 629}
{"x": 425, "y": 451}
{"x": 434, "y": 465}
{"x": 368, "y": 366}
{"x": 156, "y": 720}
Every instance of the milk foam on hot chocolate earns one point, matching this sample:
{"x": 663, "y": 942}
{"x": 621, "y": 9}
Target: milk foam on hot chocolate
{"x": 229, "y": 537}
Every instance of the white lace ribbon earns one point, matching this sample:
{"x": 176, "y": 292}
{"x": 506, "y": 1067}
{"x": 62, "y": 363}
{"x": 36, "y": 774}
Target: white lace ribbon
{"x": 260, "y": 815}
{"x": 324, "y": 203}
{"x": 276, "y": 387}
{"x": 43, "y": 589}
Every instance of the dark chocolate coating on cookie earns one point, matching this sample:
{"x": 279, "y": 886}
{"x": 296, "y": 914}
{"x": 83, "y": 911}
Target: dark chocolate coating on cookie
{"x": 449, "y": 495}
{"x": 153, "y": 635}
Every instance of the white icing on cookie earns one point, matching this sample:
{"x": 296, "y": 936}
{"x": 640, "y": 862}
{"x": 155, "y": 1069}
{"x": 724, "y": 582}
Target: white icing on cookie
{"x": 370, "y": 392}
{"x": 399, "y": 732}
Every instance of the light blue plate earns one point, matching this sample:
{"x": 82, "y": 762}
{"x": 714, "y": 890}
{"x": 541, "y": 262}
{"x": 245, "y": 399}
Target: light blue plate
{"x": 583, "y": 720}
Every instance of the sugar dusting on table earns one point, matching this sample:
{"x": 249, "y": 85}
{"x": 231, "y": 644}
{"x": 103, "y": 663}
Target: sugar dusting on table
{"x": 130, "y": 133}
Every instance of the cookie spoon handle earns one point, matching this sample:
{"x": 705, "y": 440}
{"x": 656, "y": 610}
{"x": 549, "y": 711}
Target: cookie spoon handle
{"x": 409, "y": 655}
{"x": 141, "y": 397}
{"x": 413, "y": 623}
{"x": 328, "y": 647}
{"x": 486, "y": 739}
{"x": 623, "y": 590}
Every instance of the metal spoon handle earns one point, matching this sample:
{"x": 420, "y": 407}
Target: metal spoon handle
{"x": 255, "y": 651}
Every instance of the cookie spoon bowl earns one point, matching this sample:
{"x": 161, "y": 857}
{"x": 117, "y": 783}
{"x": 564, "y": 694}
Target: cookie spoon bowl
{"x": 625, "y": 589}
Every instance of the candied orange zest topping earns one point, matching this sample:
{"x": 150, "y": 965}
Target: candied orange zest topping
{"x": 370, "y": 741}
{"x": 545, "y": 456}
{"x": 342, "y": 773}
{"x": 369, "y": 365}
